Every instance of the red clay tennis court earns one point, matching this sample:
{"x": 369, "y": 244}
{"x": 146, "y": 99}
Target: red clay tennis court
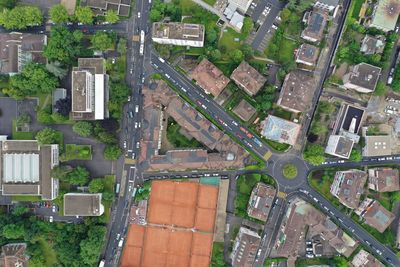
{"x": 180, "y": 227}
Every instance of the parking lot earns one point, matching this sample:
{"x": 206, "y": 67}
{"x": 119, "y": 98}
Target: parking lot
{"x": 8, "y": 112}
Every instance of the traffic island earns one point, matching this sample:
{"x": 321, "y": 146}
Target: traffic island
{"x": 289, "y": 171}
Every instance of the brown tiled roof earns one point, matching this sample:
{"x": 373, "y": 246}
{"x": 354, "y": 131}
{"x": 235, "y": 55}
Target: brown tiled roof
{"x": 244, "y": 110}
{"x": 209, "y": 77}
{"x": 248, "y": 78}
{"x": 13, "y": 255}
{"x": 383, "y": 179}
{"x": 348, "y": 187}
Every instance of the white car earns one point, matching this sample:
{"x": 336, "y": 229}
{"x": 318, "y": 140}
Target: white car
{"x": 136, "y": 125}
{"x": 137, "y": 144}
{"x": 138, "y": 15}
{"x": 129, "y": 98}
{"x": 133, "y": 155}
{"x": 54, "y": 209}
{"x": 51, "y": 219}
{"x": 124, "y": 144}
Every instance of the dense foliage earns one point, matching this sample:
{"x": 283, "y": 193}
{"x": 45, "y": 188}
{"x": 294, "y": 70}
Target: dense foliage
{"x": 21, "y": 17}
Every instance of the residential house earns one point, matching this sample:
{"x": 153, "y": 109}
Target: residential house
{"x": 176, "y": 33}
{"x": 248, "y": 78}
{"x": 90, "y": 90}
{"x": 245, "y": 248}
{"x": 365, "y": 259}
{"x": 18, "y": 49}
{"x": 362, "y": 77}
{"x": 100, "y": 7}
{"x": 307, "y": 55}
{"x": 316, "y": 21}
{"x": 297, "y": 91}
{"x": 372, "y": 44}
{"x": 26, "y": 168}
{"x": 385, "y": 15}
{"x": 348, "y": 122}
{"x": 14, "y": 255}
{"x": 383, "y": 179}
{"x": 280, "y": 130}
{"x": 375, "y": 215}
{"x": 209, "y": 77}
{"x": 244, "y": 110}
{"x": 260, "y": 202}
{"x": 348, "y": 186}
{"x": 83, "y": 204}
{"x": 234, "y": 17}
{"x": 339, "y": 146}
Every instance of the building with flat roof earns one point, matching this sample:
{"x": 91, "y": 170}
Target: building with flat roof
{"x": 348, "y": 122}
{"x": 362, "y": 77}
{"x": 245, "y": 248}
{"x": 377, "y": 145}
{"x": 280, "y": 130}
{"x": 297, "y": 91}
{"x": 307, "y": 54}
{"x": 234, "y": 17}
{"x": 365, "y": 259}
{"x": 83, "y": 204}
{"x": 339, "y": 146}
{"x": 240, "y": 5}
{"x": 375, "y": 215}
{"x": 89, "y": 90}
{"x": 18, "y": 49}
{"x": 176, "y": 33}
{"x": 326, "y": 4}
{"x": 373, "y": 44}
{"x": 260, "y": 202}
{"x": 316, "y": 21}
{"x": 383, "y": 179}
{"x": 385, "y": 15}
{"x": 14, "y": 255}
{"x": 100, "y": 7}
{"x": 26, "y": 168}
{"x": 244, "y": 110}
{"x": 348, "y": 186}
{"x": 248, "y": 78}
{"x": 209, "y": 77}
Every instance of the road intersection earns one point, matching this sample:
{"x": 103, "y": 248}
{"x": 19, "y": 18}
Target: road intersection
{"x": 131, "y": 175}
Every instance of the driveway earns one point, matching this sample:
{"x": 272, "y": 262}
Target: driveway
{"x": 8, "y": 112}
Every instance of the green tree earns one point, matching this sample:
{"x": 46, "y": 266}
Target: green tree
{"x": 211, "y": 36}
{"x": 7, "y": 4}
{"x": 106, "y": 137}
{"x": 13, "y": 231}
{"x": 34, "y": 79}
{"x": 47, "y": 136}
{"x": 84, "y": 14}
{"x": 102, "y": 41}
{"x": 119, "y": 91}
{"x": 58, "y": 14}
{"x": 64, "y": 46}
{"x": 155, "y": 15}
{"x": 247, "y": 26}
{"x": 44, "y": 116}
{"x": 247, "y": 51}
{"x": 83, "y": 128}
{"x": 236, "y": 56}
{"x": 215, "y": 55}
{"x": 314, "y": 154}
{"x": 19, "y": 210}
{"x": 96, "y": 185}
{"x": 61, "y": 172}
{"x": 326, "y": 107}
{"x": 91, "y": 247}
{"x": 319, "y": 128}
{"x": 20, "y": 17}
{"x": 285, "y": 15}
{"x": 112, "y": 152}
{"x": 57, "y": 69}
{"x": 300, "y": 5}
{"x": 23, "y": 119}
{"x": 112, "y": 16}
{"x": 78, "y": 176}
{"x": 58, "y": 118}
{"x": 355, "y": 155}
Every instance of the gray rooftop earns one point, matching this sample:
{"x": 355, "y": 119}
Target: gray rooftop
{"x": 82, "y": 204}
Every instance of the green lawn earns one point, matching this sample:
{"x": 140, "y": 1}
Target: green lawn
{"x": 217, "y": 257}
{"x": 210, "y": 2}
{"x": 109, "y": 182}
{"x": 277, "y": 146}
{"x": 281, "y": 113}
{"x": 20, "y": 135}
{"x": 355, "y": 8}
{"x": 26, "y": 198}
{"x": 79, "y": 152}
{"x": 228, "y": 39}
{"x": 177, "y": 139}
{"x": 4, "y": 81}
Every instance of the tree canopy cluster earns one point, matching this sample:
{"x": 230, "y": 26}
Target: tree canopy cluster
{"x": 20, "y": 17}
{"x": 160, "y": 10}
{"x": 314, "y": 154}
{"x": 34, "y": 79}
{"x": 74, "y": 245}
{"x": 103, "y": 40}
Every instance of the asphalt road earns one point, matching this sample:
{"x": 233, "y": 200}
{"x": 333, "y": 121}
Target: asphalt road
{"x": 210, "y": 107}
